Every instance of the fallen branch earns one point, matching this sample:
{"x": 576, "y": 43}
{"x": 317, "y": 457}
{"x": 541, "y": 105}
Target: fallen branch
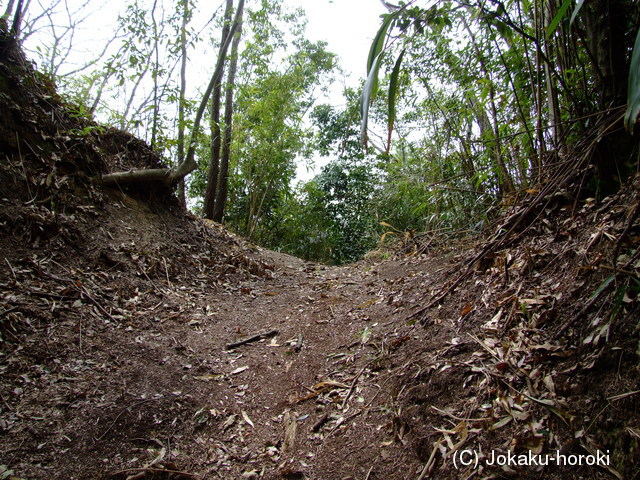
{"x": 320, "y": 423}
{"x": 155, "y": 470}
{"x": 251, "y": 339}
{"x": 353, "y": 385}
{"x": 320, "y": 388}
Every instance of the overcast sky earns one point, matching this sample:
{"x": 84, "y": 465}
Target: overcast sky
{"x": 347, "y": 25}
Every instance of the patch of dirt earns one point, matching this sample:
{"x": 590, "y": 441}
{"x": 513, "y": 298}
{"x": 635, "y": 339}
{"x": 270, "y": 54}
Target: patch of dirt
{"x": 119, "y": 311}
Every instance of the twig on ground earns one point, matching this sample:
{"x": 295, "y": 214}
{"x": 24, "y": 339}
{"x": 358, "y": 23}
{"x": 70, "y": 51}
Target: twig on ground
{"x": 166, "y": 271}
{"x": 428, "y": 468}
{"x": 251, "y": 339}
{"x": 369, "y": 473}
{"x": 155, "y": 470}
{"x": 353, "y": 385}
{"x": 83, "y": 291}
{"x": 12, "y": 270}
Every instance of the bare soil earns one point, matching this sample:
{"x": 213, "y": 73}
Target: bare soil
{"x": 123, "y": 362}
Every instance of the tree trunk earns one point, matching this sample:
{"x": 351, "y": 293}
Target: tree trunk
{"x": 182, "y": 197}
{"x": 216, "y": 142}
{"x": 505, "y": 182}
{"x": 223, "y": 181}
{"x": 608, "y": 23}
{"x": 552, "y": 92}
{"x": 154, "y": 76}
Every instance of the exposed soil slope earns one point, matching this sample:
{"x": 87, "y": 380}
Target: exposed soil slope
{"x": 118, "y": 312}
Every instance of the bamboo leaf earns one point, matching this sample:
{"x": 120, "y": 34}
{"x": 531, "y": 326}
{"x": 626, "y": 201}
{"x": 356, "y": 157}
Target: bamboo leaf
{"x": 378, "y": 41}
{"x": 602, "y": 287}
{"x": 393, "y": 95}
{"x": 622, "y": 291}
{"x": 633, "y": 102}
{"x": 373, "y": 66}
{"x": 368, "y": 92}
{"x": 575, "y": 11}
{"x": 558, "y": 18}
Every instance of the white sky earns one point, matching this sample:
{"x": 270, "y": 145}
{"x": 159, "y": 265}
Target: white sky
{"x": 347, "y": 25}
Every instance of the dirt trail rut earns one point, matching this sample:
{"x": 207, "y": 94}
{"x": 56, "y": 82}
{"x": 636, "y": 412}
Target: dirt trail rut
{"x": 133, "y": 379}
{"x": 298, "y": 404}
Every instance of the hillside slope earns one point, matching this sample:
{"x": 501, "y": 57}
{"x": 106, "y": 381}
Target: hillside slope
{"x": 120, "y": 311}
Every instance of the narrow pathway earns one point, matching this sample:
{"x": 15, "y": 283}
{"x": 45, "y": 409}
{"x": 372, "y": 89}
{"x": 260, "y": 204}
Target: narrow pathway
{"x": 133, "y": 377}
{"x": 287, "y": 405}
{"x": 303, "y": 403}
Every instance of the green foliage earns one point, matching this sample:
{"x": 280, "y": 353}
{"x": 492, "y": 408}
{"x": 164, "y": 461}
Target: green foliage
{"x": 494, "y": 90}
{"x": 88, "y": 130}
{"x": 393, "y": 93}
{"x": 559, "y": 16}
{"x": 373, "y": 66}
{"x": 347, "y": 188}
{"x": 330, "y": 218}
{"x": 305, "y": 226}
{"x": 483, "y": 99}
{"x": 562, "y": 11}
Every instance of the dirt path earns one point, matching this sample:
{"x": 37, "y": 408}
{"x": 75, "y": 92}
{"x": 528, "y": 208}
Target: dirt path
{"x": 116, "y": 308}
{"x": 152, "y": 386}
{"x": 300, "y": 404}
{"x": 114, "y": 361}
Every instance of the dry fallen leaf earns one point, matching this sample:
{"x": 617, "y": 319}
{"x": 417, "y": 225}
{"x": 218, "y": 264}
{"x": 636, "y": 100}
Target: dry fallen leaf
{"x": 466, "y": 310}
{"x": 247, "y": 419}
{"x": 501, "y": 423}
{"x": 231, "y": 419}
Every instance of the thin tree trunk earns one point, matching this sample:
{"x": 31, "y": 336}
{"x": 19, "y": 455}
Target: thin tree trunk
{"x": 182, "y": 198}
{"x": 7, "y": 12}
{"x": 154, "y": 75}
{"x": 216, "y": 142}
{"x": 552, "y": 92}
{"x": 17, "y": 20}
{"x": 605, "y": 22}
{"x": 539, "y": 101}
{"x": 223, "y": 181}
{"x": 124, "y": 121}
{"x": 505, "y": 182}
